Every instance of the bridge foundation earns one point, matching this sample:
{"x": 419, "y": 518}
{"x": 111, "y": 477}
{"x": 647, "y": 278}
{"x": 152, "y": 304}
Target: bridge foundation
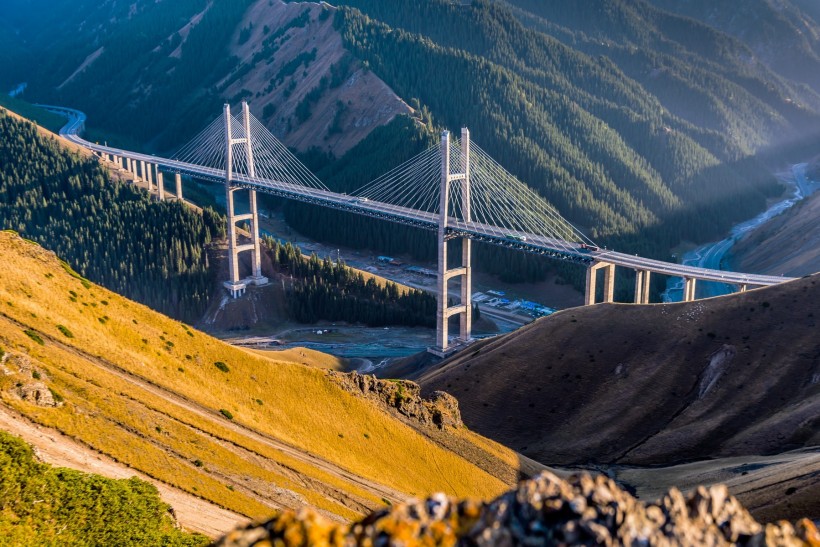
{"x": 590, "y": 296}
{"x": 236, "y": 286}
{"x": 464, "y": 309}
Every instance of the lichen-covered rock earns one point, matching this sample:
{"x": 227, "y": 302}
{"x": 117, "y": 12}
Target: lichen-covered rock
{"x": 547, "y": 510}
{"x": 404, "y": 397}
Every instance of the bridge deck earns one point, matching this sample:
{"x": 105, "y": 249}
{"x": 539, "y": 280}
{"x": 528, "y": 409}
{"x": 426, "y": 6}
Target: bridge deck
{"x": 494, "y": 235}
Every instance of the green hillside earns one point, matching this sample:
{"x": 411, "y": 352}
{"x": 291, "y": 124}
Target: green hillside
{"x": 43, "y": 505}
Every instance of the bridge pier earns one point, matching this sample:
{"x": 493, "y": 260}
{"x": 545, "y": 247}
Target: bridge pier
{"x": 689, "y": 289}
{"x": 592, "y": 281}
{"x": 149, "y": 176}
{"x": 642, "y": 286}
{"x": 742, "y": 287}
{"x": 235, "y": 285}
{"x": 464, "y": 309}
{"x": 178, "y": 181}
{"x": 142, "y": 171}
{"x": 160, "y": 185}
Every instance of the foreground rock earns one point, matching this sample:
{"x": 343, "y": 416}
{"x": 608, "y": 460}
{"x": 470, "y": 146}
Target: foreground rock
{"x": 544, "y": 511}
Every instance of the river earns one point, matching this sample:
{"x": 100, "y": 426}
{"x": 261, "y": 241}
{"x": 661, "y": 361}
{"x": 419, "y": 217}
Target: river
{"x": 712, "y": 255}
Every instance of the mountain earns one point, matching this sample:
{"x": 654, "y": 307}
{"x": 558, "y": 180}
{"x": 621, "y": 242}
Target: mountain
{"x": 636, "y": 122}
{"x": 782, "y": 34}
{"x": 131, "y": 61}
{"x": 229, "y": 426}
{"x": 627, "y": 385}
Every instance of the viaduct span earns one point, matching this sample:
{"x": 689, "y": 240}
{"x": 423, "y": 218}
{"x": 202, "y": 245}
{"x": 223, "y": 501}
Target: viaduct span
{"x": 455, "y": 190}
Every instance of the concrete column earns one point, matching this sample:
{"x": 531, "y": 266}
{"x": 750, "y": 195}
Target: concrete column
{"x": 178, "y": 181}
{"x": 689, "y": 289}
{"x": 128, "y": 165}
{"x": 149, "y": 176}
{"x": 642, "y": 286}
{"x": 742, "y": 288}
{"x": 591, "y": 285}
{"x": 142, "y": 170}
{"x": 609, "y": 283}
{"x": 233, "y": 263}
{"x": 160, "y": 185}
{"x": 256, "y": 258}
{"x": 444, "y": 200}
{"x": 466, "y": 320}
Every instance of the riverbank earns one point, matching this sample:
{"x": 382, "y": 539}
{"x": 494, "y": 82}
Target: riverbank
{"x": 718, "y": 255}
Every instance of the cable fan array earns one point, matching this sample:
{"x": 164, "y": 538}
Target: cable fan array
{"x": 500, "y": 204}
{"x": 273, "y": 164}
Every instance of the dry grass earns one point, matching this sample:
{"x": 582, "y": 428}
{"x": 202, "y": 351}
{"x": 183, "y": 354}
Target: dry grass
{"x": 305, "y": 356}
{"x": 286, "y": 401}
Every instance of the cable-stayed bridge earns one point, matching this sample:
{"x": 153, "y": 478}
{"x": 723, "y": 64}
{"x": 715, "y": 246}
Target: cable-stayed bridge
{"x": 454, "y": 189}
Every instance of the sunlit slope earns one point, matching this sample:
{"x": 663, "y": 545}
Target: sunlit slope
{"x": 148, "y": 391}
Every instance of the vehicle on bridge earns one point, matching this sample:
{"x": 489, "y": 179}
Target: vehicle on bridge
{"x": 515, "y": 237}
{"x": 589, "y": 248}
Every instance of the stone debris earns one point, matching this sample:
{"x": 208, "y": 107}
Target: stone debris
{"x": 582, "y": 510}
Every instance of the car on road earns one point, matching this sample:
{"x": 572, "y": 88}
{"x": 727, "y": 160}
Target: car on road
{"x": 515, "y": 237}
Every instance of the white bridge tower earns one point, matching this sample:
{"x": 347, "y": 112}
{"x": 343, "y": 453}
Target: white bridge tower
{"x": 235, "y": 285}
{"x": 464, "y": 308}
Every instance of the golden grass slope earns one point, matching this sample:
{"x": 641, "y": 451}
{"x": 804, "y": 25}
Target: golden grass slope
{"x": 147, "y": 391}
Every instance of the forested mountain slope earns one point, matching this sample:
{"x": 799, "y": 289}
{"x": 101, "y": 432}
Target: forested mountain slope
{"x": 157, "y": 71}
{"x": 782, "y": 34}
{"x": 110, "y": 232}
{"x": 636, "y": 122}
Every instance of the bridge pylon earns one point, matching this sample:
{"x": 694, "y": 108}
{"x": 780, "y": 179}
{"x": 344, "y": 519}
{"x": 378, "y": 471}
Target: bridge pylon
{"x": 234, "y": 284}
{"x": 464, "y": 309}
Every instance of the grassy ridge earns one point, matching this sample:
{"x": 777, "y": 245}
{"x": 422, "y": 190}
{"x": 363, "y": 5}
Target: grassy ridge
{"x": 42, "y": 505}
{"x": 199, "y": 450}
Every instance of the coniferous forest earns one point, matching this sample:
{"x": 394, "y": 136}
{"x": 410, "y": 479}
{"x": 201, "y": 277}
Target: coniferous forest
{"x": 326, "y": 290}
{"x": 111, "y": 233}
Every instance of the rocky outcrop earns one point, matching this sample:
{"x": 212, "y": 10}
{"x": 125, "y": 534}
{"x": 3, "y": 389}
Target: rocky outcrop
{"x": 547, "y": 510}
{"x": 28, "y": 378}
{"x": 37, "y": 393}
{"x": 440, "y": 410}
